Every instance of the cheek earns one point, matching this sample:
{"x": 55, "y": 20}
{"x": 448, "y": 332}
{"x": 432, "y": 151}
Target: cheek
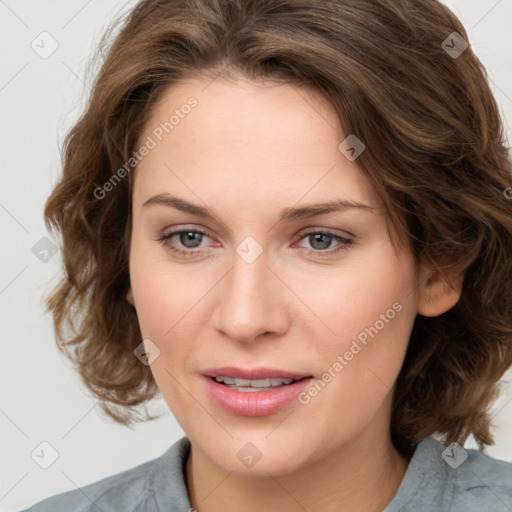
{"x": 372, "y": 318}
{"x": 164, "y": 292}
{"x": 359, "y": 366}
{"x": 164, "y": 299}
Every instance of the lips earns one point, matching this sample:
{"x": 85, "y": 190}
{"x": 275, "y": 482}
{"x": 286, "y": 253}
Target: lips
{"x": 249, "y": 400}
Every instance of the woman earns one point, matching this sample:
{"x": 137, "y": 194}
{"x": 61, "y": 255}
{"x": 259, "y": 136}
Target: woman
{"x": 291, "y": 219}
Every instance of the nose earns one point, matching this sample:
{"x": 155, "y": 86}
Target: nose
{"x": 251, "y": 301}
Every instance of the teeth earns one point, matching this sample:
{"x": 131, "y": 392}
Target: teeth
{"x": 277, "y": 382}
{"x": 262, "y": 383}
{"x": 257, "y": 383}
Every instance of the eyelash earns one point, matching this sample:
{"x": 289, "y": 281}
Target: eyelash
{"x": 193, "y": 252}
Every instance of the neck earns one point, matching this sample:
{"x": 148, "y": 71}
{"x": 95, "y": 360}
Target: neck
{"x": 360, "y": 475}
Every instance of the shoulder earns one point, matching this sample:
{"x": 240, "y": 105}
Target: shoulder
{"x": 129, "y": 491}
{"x": 453, "y": 479}
{"x": 481, "y": 482}
{"x": 124, "y": 491}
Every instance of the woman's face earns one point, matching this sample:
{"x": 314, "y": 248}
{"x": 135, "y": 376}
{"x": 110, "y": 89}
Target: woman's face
{"x": 261, "y": 288}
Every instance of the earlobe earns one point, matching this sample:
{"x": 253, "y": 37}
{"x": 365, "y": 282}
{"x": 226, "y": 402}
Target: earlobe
{"x": 129, "y": 297}
{"x": 439, "y": 290}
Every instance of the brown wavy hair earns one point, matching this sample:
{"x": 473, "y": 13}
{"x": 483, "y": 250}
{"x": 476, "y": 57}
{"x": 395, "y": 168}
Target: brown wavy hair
{"x": 436, "y": 154}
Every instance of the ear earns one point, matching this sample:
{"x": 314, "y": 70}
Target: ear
{"x": 439, "y": 290}
{"x": 129, "y": 297}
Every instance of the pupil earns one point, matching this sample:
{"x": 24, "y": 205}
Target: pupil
{"x": 190, "y": 236}
{"x": 318, "y": 236}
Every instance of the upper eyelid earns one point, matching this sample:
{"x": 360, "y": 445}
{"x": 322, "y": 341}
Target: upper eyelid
{"x": 300, "y": 235}
{"x": 302, "y": 231}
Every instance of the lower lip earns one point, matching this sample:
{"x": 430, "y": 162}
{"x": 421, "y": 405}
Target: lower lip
{"x": 257, "y": 403}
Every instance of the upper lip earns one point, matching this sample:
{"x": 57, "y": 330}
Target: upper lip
{"x": 253, "y": 373}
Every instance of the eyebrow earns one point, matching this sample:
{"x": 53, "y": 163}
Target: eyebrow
{"x": 288, "y": 214}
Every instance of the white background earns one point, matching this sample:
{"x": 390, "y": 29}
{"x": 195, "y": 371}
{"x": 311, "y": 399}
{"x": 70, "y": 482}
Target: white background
{"x": 42, "y": 398}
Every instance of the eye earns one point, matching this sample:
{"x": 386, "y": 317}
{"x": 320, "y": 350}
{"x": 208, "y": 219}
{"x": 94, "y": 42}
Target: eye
{"x": 321, "y": 240}
{"x": 190, "y": 238}
{"x": 190, "y": 241}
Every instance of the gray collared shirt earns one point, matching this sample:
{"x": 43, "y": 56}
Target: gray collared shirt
{"x": 438, "y": 479}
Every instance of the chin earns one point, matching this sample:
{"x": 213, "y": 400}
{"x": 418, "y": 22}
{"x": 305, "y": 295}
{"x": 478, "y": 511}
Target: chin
{"x": 256, "y": 454}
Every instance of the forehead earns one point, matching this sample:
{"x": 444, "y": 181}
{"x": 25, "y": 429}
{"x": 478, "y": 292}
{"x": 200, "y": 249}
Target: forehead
{"x": 248, "y": 141}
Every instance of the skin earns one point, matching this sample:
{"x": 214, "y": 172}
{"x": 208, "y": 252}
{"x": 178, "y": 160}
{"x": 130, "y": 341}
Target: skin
{"x": 247, "y": 151}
